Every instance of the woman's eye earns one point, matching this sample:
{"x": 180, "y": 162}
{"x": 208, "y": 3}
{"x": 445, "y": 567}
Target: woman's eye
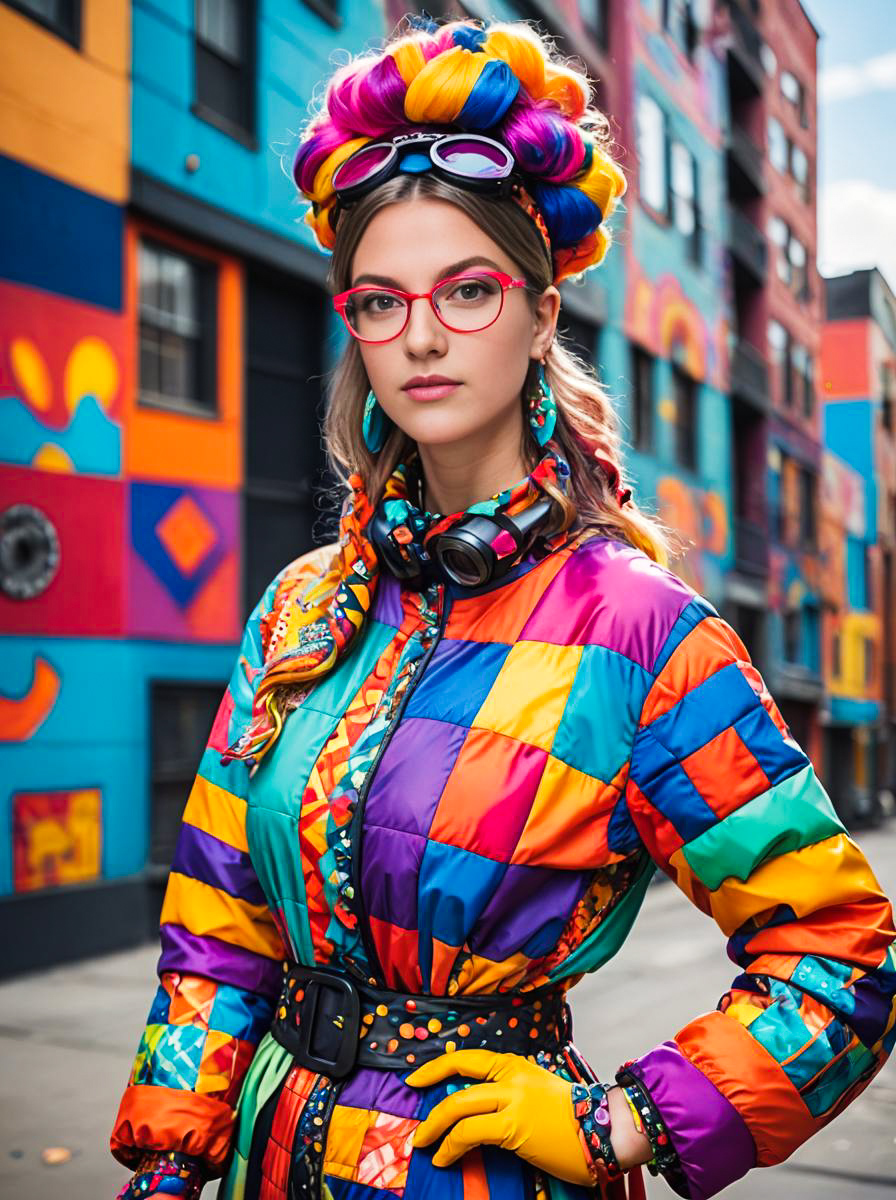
{"x": 470, "y": 290}
{"x": 378, "y": 302}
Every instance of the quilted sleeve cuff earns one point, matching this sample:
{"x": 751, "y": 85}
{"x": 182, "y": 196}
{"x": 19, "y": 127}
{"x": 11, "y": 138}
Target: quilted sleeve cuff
{"x": 163, "y": 1119}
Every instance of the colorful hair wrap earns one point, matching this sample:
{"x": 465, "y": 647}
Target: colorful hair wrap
{"x": 466, "y": 76}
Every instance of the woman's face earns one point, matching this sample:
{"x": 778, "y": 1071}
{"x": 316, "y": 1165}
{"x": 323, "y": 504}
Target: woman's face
{"x": 412, "y": 245}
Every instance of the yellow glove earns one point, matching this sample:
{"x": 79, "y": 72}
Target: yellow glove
{"x": 519, "y": 1106}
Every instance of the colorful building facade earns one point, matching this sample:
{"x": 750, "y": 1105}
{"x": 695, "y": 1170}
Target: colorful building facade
{"x": 858, "y": 396}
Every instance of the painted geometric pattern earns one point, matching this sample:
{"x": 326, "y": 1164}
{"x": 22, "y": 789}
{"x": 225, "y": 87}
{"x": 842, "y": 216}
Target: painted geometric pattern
{"x": 179, "y": 536}
{"x": 56, "y": 838}
{"x": 600, "y": 719}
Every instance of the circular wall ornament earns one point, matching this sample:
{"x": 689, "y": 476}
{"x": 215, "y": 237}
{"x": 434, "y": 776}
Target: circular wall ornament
{"x": 29, "y": 552}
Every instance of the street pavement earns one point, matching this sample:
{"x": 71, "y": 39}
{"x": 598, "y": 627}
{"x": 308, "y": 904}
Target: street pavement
{"x": 68, "y": 1036}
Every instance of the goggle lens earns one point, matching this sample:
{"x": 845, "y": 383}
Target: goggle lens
{"x": 361, "y": 165}
{"x": 474, "y": 159}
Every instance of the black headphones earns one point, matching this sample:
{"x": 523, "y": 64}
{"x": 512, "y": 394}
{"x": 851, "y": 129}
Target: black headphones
{"x": 475, "y": 550}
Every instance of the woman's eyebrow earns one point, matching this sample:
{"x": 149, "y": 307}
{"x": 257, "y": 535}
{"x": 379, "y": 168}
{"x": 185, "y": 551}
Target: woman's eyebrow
{"x": 475, "y": 260}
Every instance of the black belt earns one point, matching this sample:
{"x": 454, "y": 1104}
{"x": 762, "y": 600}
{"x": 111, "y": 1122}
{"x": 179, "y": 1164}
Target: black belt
{"x": 331, "y": 1024}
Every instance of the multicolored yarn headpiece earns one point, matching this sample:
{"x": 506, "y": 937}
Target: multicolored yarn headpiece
{"x": 498, "y": 79}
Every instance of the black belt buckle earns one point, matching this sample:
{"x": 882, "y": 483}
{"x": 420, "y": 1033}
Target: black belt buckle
{"x": 322, "y": 1029}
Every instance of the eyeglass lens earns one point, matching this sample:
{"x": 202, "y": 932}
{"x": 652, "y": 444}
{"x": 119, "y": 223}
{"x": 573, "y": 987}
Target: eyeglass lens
{"x": 361, "y": 164}
{"x": 466, "y": 304}
{"x": 476, "y": 160}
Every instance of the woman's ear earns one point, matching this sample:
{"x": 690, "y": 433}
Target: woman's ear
{"x": 547, "y": 313}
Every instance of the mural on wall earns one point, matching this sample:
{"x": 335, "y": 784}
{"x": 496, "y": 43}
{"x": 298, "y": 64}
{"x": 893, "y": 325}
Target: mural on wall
{"x": 700, "y": 517}
{"x": 22, "y": 716}
{"x": 184, "y": 562}
{"x": 80, "y": 520}
{"x": 660, "y": 317}
{"x": 60, "y": 384}
{"x": 57, "y": 838}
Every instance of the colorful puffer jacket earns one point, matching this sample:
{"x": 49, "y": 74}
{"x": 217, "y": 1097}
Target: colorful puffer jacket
{"x": 525, "y": 755}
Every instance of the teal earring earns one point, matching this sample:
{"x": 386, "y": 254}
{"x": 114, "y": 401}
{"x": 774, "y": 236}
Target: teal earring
{"x": 542, "y": 409}
{"x": 374, "y": 427}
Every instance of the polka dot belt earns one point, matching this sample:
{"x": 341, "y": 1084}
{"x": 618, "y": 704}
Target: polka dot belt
{"x": 331, "y": 1023}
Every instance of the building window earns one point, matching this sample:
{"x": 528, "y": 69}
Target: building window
{"x": 580, "y": 338}
{"x": 796, "y": 253}
{"x": 803, "y": 383}
{"x": 177, "y": 329}
{"x": 869, "y": 661}
{"x": 62, "y": 17}
{"x": 779, "y": 233}
{"x": 642, "y": 399}
{"x": 225, "y": 64}
{"x": 793, "y": 91}
{"x": 836, "y": 656}
{"x": 799, "y": 169}
{"x": 777, "y": 145}
{"x": 685, "y": 392}
{"x": 779, "y": 354}
{"x": 679, "y": 22}
{"x": 653, "y": 181}
{"x": 685, "y": 205}
{"x": 596, "y": 19}
{"x": 181, "y": 716}
{"x": 808, "y": 523}
{"x": 793, "y": 629}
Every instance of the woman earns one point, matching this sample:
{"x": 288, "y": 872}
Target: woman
{"x": 455, "y": 748}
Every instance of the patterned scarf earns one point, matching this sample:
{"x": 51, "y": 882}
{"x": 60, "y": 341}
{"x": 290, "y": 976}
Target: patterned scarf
{"x": 310, "y": 629}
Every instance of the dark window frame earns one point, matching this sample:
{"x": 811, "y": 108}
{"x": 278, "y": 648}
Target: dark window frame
{"x": 70, "y": 31}
{"x": 694, "y": 239}
{"x": 178, "y": 771}
{"x": 685, "y": 387}
{"x": 208, "y": 58}
{"x": 664, "y": 212}
{"x": 808, "y": 490}
{"x": 206, "y": 404}
{"x": 643, "y": 365}
{"x": 792, "y": 631}
{"x": 327, "y": 10}
{"x": 683, "y": 32}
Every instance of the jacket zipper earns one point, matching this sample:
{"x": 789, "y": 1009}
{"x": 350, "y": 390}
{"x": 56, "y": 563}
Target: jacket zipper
{"x": 357, "y": 834}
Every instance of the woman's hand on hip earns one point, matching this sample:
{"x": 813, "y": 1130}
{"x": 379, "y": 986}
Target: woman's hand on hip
{"x": 517, "y": 1105}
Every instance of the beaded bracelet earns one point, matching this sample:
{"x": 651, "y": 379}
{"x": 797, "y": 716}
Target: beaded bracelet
{"x": 592, "y": 1112}
{"x": 182, "y": 1174}
{"x": 664, "y": 1160}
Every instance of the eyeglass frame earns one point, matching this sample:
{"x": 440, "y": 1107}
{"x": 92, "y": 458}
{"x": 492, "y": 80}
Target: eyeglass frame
{"x": 506, "y": 281}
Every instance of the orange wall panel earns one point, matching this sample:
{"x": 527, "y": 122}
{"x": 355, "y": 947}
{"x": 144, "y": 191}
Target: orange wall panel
{"x": 178, "y": 447}
{"x": 844, "y": 359}
{"x": 66, "y": 112}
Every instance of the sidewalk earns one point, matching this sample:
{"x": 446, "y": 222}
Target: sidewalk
{"x": 68, "y": 1037}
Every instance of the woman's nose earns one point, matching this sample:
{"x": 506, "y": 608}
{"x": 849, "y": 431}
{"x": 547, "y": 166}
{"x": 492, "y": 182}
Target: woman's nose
{"x": 424, "y": 333}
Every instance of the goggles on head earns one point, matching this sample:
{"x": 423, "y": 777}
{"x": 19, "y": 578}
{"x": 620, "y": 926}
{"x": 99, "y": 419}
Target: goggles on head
{"x": 469, "y": 160}
{"x": 474, "y": 161}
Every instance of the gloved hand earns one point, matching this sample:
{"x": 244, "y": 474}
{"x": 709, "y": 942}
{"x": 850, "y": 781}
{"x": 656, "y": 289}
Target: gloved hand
{"x": 519, "y": 1106}
{"x": 165, "y": 1174}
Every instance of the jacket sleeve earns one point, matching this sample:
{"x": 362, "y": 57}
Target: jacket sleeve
{"x": 220, "y": 968}
{"x": 729, "y": 807}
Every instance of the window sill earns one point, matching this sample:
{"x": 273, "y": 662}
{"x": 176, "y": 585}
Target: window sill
{"x": 182, "y": 408}
{"x": 204, "y": 113}
{"x": 661, "y": 218}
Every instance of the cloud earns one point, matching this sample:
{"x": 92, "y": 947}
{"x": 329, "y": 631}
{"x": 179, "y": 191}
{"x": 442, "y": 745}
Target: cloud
{"x": 856, "y": 79}
{"x": 857, "y": 228}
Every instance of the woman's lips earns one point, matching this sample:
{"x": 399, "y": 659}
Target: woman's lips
{"x": 431, "y": 391}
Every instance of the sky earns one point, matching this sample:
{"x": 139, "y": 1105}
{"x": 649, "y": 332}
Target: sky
{"x": 856, "y": 135}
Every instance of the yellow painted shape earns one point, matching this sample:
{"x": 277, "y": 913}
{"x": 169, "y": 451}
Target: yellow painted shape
{"x": 31, "y": 373}
{"x": 66, "y": 111}
{"x": 528, "y": 697}
{"x": 53, "y": 458}
{"x": 218, "y": 812}
{"x": 209, "y": 912}
{"x": 91, "y": 370}
{"x": 67, "y": 850}
{"x": 666, "y": 409}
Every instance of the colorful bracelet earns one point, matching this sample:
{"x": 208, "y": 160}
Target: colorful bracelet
{"x": 589, "y": 1102}
{"x": 169, "y": 1173}
{"x": 664, "y": 1160}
